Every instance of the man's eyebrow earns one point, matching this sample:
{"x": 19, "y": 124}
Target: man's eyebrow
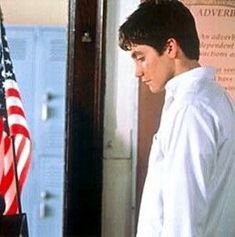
{"x": 135, "y": 54}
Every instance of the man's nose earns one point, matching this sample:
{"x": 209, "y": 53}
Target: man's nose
{"x": 138, "y": 72}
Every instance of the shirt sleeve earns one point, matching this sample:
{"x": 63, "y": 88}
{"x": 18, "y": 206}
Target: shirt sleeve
{"x": 190, "y": 156}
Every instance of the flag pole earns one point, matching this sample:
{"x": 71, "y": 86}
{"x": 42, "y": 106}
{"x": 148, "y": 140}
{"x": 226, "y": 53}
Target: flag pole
{"x": 16, "y": 175}
{"x": 11, "y": 137}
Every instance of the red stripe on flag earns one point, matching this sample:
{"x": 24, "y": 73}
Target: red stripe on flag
{"x": 1, "y": 127}
{"x": 7, "y": 179}
{"x": 15, "y": 110}
{"x": 13, "y": 209}
{"x": 24, "y": 172}
{"x": 12, "y": 92}
{"x": 7, "y": 144}
{"x": 19, "y": 129}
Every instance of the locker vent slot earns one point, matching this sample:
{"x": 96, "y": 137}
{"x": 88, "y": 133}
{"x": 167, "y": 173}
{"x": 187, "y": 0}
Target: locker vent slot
{"x": 17, "y": 48}
{"x": 57, "y": 50}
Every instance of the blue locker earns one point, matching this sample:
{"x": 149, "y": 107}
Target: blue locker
{"x": 39, "y": 58}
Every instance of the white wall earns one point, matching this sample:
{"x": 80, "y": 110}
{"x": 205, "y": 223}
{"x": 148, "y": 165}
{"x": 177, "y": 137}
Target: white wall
{"x": 119, "y": 128}
{"x": 34, "y": 12}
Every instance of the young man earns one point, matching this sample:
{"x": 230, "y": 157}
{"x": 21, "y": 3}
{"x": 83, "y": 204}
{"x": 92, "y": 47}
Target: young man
{"x": 190, "y": 185}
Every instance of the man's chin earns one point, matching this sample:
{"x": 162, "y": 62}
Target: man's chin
{"x": 155, "y": 90}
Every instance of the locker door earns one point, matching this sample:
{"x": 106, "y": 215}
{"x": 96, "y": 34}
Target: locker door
{"x": 49, "y": 134}
{"x": 43, "y": 195}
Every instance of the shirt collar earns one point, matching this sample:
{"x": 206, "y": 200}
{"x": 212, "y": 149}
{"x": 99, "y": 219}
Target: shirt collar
{"x": 185, "y": 79}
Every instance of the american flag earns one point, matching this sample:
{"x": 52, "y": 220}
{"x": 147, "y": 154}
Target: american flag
{"x": 14, "y": 133}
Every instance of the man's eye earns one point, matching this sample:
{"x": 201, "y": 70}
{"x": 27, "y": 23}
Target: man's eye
{"x": 140, "y": 59}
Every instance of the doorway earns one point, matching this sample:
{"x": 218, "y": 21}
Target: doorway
{"x": 84, "y": 113}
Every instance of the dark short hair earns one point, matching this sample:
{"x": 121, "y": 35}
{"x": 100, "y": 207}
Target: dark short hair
{"x": 154, "y": 23}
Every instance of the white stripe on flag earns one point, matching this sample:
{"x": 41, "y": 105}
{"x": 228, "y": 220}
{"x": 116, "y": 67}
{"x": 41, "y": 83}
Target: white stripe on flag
{"x": 13, "y": 101}
{"x": 17, "y": 119}
{"x": 25, "y": 153}
{"x": 9, "y": 83}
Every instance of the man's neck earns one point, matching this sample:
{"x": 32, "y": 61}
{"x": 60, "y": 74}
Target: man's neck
{"x": 185, "y": 65}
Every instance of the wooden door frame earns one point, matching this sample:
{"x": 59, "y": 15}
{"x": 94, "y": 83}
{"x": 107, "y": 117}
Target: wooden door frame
{"x": 84, "y": 119}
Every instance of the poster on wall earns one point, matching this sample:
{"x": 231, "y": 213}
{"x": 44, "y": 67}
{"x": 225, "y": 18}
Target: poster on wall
{"x": 215, "y": 20}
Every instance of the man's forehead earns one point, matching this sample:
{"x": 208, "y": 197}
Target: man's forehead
{"x": 136, "y": 50}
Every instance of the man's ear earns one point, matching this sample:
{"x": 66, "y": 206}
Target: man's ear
{"x": 172, "y": 48}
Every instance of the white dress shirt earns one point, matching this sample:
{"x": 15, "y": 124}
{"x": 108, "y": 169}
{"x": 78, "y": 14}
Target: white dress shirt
{"x": 190, "y": 184}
